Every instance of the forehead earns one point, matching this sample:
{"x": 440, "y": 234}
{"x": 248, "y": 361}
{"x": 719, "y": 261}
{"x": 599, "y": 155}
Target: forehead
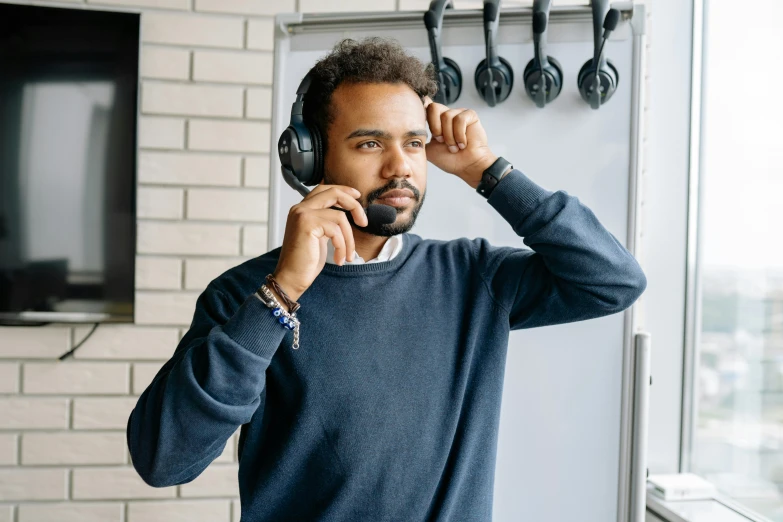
{"x": 375, "y": 105}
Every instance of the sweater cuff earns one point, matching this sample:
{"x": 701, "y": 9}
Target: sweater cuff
{"x": 255, "y": 328}
{"x": 516, "y": 196}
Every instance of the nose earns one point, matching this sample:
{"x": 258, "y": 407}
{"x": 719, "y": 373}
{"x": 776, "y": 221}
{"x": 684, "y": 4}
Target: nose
{"x": 397, "y": 163}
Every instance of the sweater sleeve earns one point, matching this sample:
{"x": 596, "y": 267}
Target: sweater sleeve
{"x": 212, "y": 384}
{"x": 576, "y": 269}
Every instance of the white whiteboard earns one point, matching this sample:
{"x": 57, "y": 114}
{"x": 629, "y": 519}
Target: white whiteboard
{"x": 561, "y": 443}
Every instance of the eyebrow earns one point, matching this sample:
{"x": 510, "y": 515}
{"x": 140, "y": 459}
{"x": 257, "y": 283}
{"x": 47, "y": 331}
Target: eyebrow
{"x": 377, "y": 133}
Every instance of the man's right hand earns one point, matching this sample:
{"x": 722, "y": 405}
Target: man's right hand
{"x": 311, "y": 224}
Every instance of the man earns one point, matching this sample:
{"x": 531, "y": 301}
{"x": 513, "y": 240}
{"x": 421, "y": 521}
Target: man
{"x": 389, "y": 408}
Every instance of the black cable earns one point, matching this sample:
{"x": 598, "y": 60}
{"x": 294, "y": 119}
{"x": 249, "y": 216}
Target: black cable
{"x": 63, "y": 356}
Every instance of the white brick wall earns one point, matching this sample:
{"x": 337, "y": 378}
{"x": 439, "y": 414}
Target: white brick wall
{"x": 203, "y": 175}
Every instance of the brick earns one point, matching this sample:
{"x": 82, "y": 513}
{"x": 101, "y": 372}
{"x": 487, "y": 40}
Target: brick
{"x": 114, "y": 483}
{"x": 256, "y": 171}
{"x": 229, "y": 136}
{"x": 157, "y": 132}
{"x": 9, "y": 377}
{"x": 259, "y": 103}
{"x": 191, "y": 100}
{"x": 228, "y": 452}
{"x": 75, "y": 377}
{"x": 228, "y": 204}
{"x": 218, "y": 480}
{"x": 254, "y": 240}
{"x": 33, "y": 484}
{"x": 158, "y": 273}
{"x": 179, "y": 511}
{"x": 73, "y": 448}
{"x": 189, "y": 169}
{"x": 191, "y": 29}
{"x": 33, "y": 413}
{"x": 21, "y": 342}
{"x": 261, "y": 34}
{"x": 161, "y": 4}
{"x": 232, "y": 67}
{"x": 236, "y": 506}
{"x": 8, "y": 447}
{"x": 143, "y": 373}
{"x": 247, "y": 7}
{"x": 102, "y": 413}
{"x": 165, "y": 63}
{"x": 127, "y": 342}
{"x": 188, "y": 239}
{"x": 71, "y": 512}
{"x": 170, "y": 308}
{"x": 160, "y": 203}
{"x": 199, "y": 272}
{"x": 348, "y": 6}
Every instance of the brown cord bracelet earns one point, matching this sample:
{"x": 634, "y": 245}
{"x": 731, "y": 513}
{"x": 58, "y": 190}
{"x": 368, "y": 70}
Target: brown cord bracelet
{"x": 292, "y": 305}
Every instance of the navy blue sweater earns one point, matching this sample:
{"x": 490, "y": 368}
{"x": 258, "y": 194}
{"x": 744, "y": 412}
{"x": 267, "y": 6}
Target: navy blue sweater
{"x": 390, "y": 408}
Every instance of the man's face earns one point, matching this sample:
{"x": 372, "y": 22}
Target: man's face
{"x": 376, "y": 145}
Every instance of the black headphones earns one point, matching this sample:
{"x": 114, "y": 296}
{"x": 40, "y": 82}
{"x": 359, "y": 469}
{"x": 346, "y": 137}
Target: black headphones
{"x": 543, "y": 75}
{"x": 494, "y": 76}
{"x": 300, "y": 146}
{"x": 598, "y": 77}
{"x": 449, "y": 73}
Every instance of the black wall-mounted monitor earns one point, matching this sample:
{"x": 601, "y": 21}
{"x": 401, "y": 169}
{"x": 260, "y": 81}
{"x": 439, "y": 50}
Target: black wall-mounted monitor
{"x": 68, "y": 106}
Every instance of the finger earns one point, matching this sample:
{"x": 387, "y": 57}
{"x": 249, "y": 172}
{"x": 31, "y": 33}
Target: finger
{"x": 336, "y": 195}
{"x": 447, "y": 124}
{"x": 341, "y": 219}
{"x": 434, "y": 110}
{"x": 427, "y": 101}
{"x": 330, "y": 229}
{"x": 321, "y": 187}
{"x": 460, "y": 127}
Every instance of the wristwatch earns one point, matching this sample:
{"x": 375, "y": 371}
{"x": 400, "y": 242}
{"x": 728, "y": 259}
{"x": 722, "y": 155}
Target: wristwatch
{"x": 492, "y": 176}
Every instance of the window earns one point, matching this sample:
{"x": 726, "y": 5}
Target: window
{"x": 737, "y": 431}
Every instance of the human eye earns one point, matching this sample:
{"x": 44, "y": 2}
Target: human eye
{"x": 417, "y": 143}
{"x": 362, "y": 145}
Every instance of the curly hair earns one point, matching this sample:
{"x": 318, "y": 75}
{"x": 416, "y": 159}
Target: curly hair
{"x": 370, "y": 60}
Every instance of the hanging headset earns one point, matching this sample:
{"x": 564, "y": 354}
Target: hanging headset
{"x": 543, "y": 75}
{"x": 494, "y": 76}
{"x": 598, "y": 77}
{"x": 448, "y": 72}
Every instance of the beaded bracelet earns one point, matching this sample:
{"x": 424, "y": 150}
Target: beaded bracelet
{"x": 288, "y": 320}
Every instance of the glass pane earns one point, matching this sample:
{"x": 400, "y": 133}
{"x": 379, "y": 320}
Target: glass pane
{"x": 738, "y": 436}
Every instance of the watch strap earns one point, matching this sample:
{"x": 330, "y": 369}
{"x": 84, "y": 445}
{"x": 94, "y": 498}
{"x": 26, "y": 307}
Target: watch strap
{"x": 492, "y": 175}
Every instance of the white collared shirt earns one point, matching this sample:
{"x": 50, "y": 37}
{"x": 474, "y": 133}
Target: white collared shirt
{"x": 391, "y": 248}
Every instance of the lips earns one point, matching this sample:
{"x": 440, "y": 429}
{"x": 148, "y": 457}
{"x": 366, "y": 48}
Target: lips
{"x": 397, "y": 193}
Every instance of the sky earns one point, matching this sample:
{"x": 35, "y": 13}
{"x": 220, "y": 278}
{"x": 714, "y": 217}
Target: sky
{"x": 742, "y": 133}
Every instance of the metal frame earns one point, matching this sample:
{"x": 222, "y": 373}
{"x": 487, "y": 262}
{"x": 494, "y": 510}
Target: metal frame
{"x": 693, "y": 275}
{"x": 631, "y": 475}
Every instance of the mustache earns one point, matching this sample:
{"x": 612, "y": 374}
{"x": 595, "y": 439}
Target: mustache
{"x": 392, "y": 185}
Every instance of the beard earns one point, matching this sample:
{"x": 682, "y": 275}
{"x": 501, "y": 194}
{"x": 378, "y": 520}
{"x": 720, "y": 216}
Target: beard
{"x": 398, "y": 227}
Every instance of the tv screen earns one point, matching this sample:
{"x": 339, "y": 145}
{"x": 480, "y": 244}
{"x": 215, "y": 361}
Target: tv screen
{"x": 68, "y": 105}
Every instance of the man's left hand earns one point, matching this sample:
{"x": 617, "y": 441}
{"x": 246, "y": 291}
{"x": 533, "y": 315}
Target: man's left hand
{"x": 459, "y": 142}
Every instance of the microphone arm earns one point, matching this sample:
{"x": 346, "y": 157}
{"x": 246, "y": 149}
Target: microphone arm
{"x": 433, "y": 21}
{"x": 539, "y": 45}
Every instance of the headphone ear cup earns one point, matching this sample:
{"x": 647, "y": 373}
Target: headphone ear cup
{"x": 318, "y": 156}
{"x": 609, "y": 78}
{"x": 451, "y": 80}
{"x": 553, "y": 74}
{"x": 486, "y": 76}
